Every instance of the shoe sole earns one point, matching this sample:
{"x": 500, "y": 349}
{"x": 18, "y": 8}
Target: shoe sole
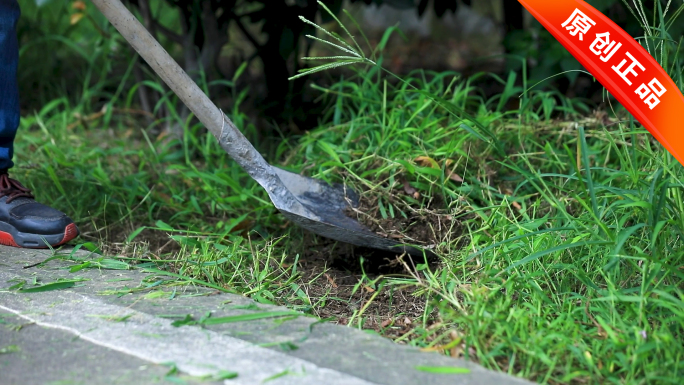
{"x": 9, "y": 236}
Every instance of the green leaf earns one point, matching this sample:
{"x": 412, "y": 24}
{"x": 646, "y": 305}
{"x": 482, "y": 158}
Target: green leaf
{"x": 239, "y": 71}
{"x": 656, "y": 230}
{"x": 17, "y": 286}
{"x": 50, "y": 286}
{"x": 443, "y": 369}
{"x": 224, "y": 375}
{"x": 162, "y": 225}
{"x": 488, "y": 137}
{"x": 386, "y": 36}
{"x": 114, "y": 318}
{"x": 624, "y": 235}
{"x": 188, "y": 320}
{"x": 288, "y": 346}
{"x": 249, "y": 317}
{"x": 90, "y": 246}
{"x": 113, "y": 264}
{"x": 9, "y": 349}
{"x": 188, "y": 279}
{"x": 542, "y": 253}
{"x": 138, "y": 231}
{"x": 155, "y": 294}
{"x": 324, "y": 67}
{"x": 81, "y": 266}
{"x": 277, "y": 375}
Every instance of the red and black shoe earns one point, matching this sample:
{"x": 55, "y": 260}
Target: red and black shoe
{"x": 27, "y": 223}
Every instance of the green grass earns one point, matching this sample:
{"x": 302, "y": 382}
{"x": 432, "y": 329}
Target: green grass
{"x": 565, "y": 266}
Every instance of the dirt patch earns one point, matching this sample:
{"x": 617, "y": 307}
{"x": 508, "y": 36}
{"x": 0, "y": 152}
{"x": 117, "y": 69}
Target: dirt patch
{"x": 428, "y": 226}
{"x": 347, "y": 285}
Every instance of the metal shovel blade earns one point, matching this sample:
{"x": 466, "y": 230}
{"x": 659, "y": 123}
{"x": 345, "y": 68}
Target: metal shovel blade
{"x": 306, "y": 202}
{"x": 329, "y": 204}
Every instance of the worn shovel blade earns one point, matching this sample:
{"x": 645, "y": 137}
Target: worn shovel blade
{"x": 329, "y": 202}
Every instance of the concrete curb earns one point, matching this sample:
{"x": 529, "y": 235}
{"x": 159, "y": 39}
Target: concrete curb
{"x": 294, "y": 350}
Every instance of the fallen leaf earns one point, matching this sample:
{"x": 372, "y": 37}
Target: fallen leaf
{"x": 162, "y": 196}
{"x": 455, "y": 177}
{"x": 426, "y": 161}
{"x": 439, "y": 348}
{"x": 162, "y": 135}
{"x": 456, "y": 351}
{"x": 472, "y": 352}
{"x": 79, "y": 5}
{"x": 245, "y": 224}
{"x": 410, "y": 190}
{"x": 75, "y": 18}
{"x": 84, "y": 120}
{"x": 386, "y": 323}
{"x": 331, "y": 280}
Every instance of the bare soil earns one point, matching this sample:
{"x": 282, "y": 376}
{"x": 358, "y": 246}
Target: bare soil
{"x": 427, "y": 226}
{"x": 351, "y": 278}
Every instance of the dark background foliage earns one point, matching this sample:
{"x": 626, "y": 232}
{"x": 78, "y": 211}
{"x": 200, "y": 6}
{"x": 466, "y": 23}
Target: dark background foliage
{"x": 197, "y": 32}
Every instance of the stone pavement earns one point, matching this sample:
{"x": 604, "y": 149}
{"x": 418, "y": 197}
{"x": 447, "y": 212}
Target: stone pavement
{"x": 99, "y": 331}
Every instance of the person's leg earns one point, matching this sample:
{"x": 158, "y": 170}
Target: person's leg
{"x": 23, "y": 221}
{"x": 9, "y": 91}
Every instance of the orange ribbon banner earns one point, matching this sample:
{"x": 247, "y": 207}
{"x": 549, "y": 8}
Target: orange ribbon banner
{"x": 620, "y": 64}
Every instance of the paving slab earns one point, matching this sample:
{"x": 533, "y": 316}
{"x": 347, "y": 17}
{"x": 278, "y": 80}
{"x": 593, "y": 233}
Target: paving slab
{"x": 32, "y": 354}
{"x": 106, "y": 318}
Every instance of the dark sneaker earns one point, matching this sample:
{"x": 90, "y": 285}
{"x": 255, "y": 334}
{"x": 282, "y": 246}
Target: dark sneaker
{"x": 27, "y": 223}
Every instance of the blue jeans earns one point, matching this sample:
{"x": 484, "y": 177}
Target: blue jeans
{"x": 9, "y": 90}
